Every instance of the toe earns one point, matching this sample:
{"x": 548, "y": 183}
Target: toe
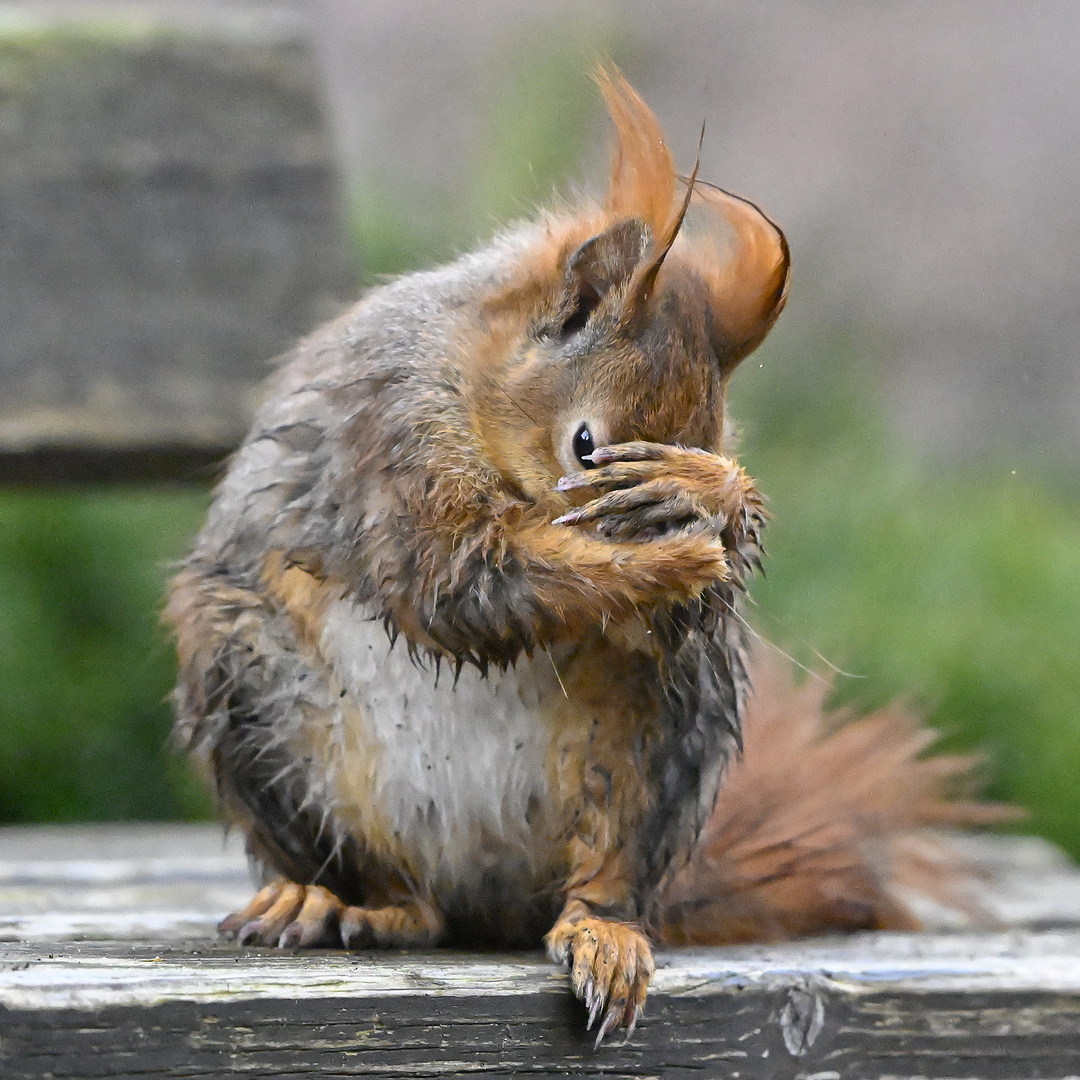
{"x": 268, "y": 927}
{"x": 355, "y": 928}
{"x": 315, "y": 922}
{"x": 232, "y": 924}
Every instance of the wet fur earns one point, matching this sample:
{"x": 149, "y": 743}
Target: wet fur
{"x": 433, "y": 664}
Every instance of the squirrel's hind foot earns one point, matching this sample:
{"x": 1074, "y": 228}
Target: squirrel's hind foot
{"x": 411, "y": 924}
{"x": 292, "y": 916}
{"x": 288, "y": 916}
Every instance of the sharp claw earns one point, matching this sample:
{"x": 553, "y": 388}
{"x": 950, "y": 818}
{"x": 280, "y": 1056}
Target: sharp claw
{"x": 611, "y": 1018}
{"x": 634, "y": 1014}
{"x": 594, "y": 1009}
{"x": 567, "y": 519}
{"x": 249, "y": 933}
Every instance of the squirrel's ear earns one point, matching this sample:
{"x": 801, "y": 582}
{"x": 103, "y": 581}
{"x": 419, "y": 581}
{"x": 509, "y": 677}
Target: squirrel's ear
{"x": 744, "y": 262}
{"x": 602, "y": 263}
{"x": 746, "y": 271}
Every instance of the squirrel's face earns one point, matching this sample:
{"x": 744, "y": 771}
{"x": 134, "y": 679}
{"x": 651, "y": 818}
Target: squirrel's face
{"x": 619, "y": 327}
{"x": 606, "y": 354}
{"x": 621, "y": 377}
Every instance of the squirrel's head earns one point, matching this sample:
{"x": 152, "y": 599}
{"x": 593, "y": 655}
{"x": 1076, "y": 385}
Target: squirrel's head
{"x": 620, "y": 323}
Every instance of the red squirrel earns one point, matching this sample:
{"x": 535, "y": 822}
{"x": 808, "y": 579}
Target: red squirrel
{"x": 460, "y": 644}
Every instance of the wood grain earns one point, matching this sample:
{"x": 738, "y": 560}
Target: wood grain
{"x": 110, "y": 967}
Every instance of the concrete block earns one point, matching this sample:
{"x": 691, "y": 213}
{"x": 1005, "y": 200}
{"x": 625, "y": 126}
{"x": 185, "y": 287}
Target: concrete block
{"x": 170, "y": 219}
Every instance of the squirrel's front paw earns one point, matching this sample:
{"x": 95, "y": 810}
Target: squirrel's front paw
{"x": 647, "y": 490}
{"x": 644, "y": 512}
{"x": 610, "y": 965}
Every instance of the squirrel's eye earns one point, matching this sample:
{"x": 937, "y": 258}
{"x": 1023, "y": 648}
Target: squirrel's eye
{"x": 583, "y": 446}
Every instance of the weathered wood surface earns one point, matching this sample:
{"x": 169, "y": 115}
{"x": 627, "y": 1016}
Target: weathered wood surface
{"x": 109, "y": 967}
{"x": 171, "y": 219}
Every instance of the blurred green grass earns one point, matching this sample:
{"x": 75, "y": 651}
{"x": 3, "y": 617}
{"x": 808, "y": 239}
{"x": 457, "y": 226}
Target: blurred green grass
{"x": 84, "y": 664}
{"x": 956, "y": 585}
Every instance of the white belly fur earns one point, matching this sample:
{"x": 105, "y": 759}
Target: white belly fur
{"x": 454, "y": 770}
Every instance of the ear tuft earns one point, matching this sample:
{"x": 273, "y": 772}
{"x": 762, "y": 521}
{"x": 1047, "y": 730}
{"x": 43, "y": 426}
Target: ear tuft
{"x": 642, "y": 181}
{"x": 644, "y": 279}
{"x": 744, "y": 259}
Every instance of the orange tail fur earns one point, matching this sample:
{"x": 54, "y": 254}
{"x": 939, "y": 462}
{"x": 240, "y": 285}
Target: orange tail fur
{"x": 822, "y": 824}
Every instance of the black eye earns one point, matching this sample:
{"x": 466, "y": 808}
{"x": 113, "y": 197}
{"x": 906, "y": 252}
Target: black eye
{"x": 583, "y": 446}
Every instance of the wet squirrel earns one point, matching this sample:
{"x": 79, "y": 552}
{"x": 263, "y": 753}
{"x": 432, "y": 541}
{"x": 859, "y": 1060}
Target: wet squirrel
{"x": 514, "y": 467}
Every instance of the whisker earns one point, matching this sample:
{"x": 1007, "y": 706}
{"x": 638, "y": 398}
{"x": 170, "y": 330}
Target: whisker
{"x": 495, "y": 384}
{"x": 829, "y": 664}
{"x": 555, "y": 668}
{"x": 771, "y": 644}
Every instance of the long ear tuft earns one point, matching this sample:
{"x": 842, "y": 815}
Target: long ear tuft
{"x": 747, "y": 277}
{"x": 642, "y": 181}
{"x": 745, "y": 261}
{"x": 641, "y": 286}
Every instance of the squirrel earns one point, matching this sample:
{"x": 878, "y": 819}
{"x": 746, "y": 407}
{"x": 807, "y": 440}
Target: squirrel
{"x": 460, "y": 646}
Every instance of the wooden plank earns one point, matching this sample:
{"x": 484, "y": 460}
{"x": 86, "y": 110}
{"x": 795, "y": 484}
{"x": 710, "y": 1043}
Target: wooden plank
{"x": 169, "y": 1000}
{"x": 171, "y": 212}
{"x": 159, "y": 883}
{"x": 869, "y": 1008}
{"x": 135, "y": 882}
{"x": 138, "y": 462}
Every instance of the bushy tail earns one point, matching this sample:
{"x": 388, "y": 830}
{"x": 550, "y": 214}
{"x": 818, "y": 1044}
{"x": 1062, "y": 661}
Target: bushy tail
{"x": 824, "y": 824}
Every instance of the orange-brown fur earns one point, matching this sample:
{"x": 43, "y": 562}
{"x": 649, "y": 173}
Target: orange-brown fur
{"x": 516, "y": 467}
{"x": 819, "y": 824}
